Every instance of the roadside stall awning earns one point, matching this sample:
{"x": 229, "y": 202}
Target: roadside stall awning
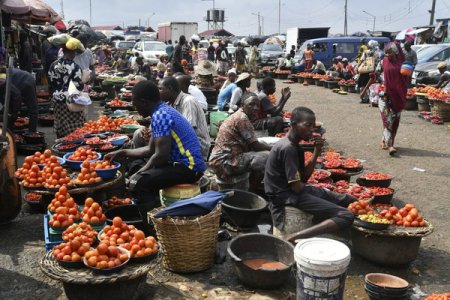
{"x": 36, "y": 9}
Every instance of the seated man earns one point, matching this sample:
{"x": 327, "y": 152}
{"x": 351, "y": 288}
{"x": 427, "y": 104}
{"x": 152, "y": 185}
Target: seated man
{"x": 186, "y": 105}
{"x": 273, "y": 123}
{"x": 285, "y": 182}
{"x": 184, "y": 81}
{"x": 237, "y": 149}
{"x": 173, "y": 151}
{"x": 318, "y": 67}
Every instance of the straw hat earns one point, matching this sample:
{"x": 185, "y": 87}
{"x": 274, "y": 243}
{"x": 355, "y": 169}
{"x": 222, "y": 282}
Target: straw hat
{"x": 442, "y": 65}
{"x": 205, "y": 67}
{"x": 242, "y": 77}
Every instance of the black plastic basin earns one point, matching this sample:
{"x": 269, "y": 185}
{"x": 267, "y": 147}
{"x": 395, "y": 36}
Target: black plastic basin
{"x": 261, "y": 246}
{"x": 243, "y": 209}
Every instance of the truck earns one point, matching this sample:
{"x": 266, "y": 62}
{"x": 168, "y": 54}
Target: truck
{"x": 173, "y": 30}
{"x": 296, "y": 36}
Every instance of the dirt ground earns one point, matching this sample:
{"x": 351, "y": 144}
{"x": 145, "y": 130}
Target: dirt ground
{"x": 353, "y": 128}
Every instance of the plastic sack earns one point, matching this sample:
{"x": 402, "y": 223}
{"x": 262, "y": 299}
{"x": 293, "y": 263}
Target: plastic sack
{"x": 77, "y": 100}
{"x": 374, "y": 93}
{"x": 59, "y": 39}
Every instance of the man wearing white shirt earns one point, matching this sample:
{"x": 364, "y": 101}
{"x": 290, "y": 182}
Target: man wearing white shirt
{"x": 184, "y": 81}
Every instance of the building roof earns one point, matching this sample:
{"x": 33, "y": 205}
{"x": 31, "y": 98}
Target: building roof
{"x": 215, "y": 32}
{"x": 111, "y": 27}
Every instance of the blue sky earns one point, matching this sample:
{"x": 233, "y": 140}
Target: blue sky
{"x": 389, "y": 15}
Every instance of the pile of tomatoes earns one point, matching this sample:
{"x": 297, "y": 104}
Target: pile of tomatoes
{"x": 72, "y": 251}
{"x": 319, "y": 176}
{"x": 62, "y": 199}
{"x": 119, "y": 103}
{"x": 351, "y": 163}
{"x": 381, "y": 191}
{"x": 84, "y": 153}
{"x": 103, "y": 165}
{"x": 105, "y": 124}
{"x": 445, "y": 296}
{"x": 376, "y": 176}
{"x": 118, "y": 233}
{"x": 64, "y": 217}
{"x": 87, "y": 174}
{"x": 105, "y": 257}
{"x": 114, "y": 201}
{"x": 33, "y": 197}
{"x": 359, "y": 192}
{"x": 407, "y": 216}
{"x": 360, "y": 207}
{"x": 56, "y": 176}
{"x": 31, "y": 175}
{"x": 92, "y": 212}
{"x": 83, "y": 231}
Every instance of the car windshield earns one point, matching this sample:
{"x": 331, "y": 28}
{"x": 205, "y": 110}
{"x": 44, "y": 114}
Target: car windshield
{"x": 154, "y": 47}
{"x": 126, "y": 45}
{"x": 428, "y": 52}
{"x": 271, "y": 47}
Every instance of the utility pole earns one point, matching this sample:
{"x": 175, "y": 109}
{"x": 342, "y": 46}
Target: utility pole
{"x": 345, "y": 18}
{"x": 374, "y": 18}
{"x": 62, "y": 9}
{"x": 433, "y": 7}
{"x": 259, "y": 22}
{"x": 90, "y": 12}
{"x": 279, "y": 17}
{"x": 262, "y": 26}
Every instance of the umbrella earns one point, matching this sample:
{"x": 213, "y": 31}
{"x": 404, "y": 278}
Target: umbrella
{"x": 273, "y": 40}
{"x": 36, "y": 8}
{"x": 406, "y": 34}
{"x": 197, "y": 206}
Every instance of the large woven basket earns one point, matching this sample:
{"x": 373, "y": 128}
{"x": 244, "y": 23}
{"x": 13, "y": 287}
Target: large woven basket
{"x": 441, "y": 109}
{"x": 188, "y": 243}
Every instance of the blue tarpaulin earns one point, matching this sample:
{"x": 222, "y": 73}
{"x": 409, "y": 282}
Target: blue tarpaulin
{"x": 197, "y": 206}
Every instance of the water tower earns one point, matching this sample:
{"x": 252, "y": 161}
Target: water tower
{"x": 215, "y": 18}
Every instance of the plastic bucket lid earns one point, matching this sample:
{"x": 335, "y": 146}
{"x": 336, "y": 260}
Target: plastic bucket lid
{"x": 321, "y": 254}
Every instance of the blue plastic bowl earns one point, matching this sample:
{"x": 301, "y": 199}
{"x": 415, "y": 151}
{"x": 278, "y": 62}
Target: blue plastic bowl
{"x": 118, "y": 141}
{"x": 108, "y": 173}
{"x": 76, "y": 165}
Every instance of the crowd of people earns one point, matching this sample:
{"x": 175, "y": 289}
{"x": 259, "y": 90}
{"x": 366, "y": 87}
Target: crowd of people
{"x": 176, "y": 148}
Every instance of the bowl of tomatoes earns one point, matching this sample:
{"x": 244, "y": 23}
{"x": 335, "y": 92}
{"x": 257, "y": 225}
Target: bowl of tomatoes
{"x": 106, "y": 169}
{"x": 106, "y": 259}
{"x": 34, "y": 137}
{"x": 74, "y": 159}
{"x": 374, "y": 179}
{"x": 382, "y": 195}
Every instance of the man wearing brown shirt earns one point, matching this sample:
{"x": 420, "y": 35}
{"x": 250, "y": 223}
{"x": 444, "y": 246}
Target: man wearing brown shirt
{"x": 237, "y": 149}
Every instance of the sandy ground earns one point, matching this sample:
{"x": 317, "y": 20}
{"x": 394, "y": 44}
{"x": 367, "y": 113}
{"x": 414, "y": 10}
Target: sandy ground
{"x": 354, "y": 129}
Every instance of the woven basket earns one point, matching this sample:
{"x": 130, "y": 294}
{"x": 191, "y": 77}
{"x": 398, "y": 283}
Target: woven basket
{"x": 441, "y": 109}
{"x": 188, "y": 243}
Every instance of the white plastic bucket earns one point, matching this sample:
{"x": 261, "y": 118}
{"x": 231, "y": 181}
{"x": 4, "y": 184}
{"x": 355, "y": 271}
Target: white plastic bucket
{"x": 321, "y": 269}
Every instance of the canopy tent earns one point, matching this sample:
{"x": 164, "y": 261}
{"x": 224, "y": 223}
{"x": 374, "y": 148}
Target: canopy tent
{"x": 409, "y": 34}
{"x": 36, "y": 9}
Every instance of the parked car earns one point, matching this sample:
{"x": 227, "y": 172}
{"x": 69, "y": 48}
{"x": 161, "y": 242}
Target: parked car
{"x": 325, "y": 49}
{"x": 151, "y": 51}
{"x": 438, "y": 52}
{"x": 124, "y": 45}
{"x": 428, "y": 58}
{"x": 269, "y": 53}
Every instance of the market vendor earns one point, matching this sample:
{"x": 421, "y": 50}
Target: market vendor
{"x": 23, "y": 90}
{"x": 186, "y": 105}
{"x": 317, "y": 67}
{"x": 237, "y": 150}
{"x": 174, "y": 153}
{"x": 285, "y": 182}
{"x": 270, "y": 116}
{"x": 347, "y": 71}
{"x": 445, "y": 75}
